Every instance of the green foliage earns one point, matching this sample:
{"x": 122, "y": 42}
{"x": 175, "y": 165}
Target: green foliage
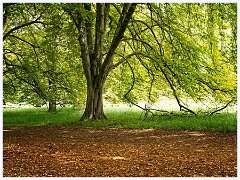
{"x": 182, "y": 50}
{"x": 186, "y": 46}
{"x": 42, "y": 59}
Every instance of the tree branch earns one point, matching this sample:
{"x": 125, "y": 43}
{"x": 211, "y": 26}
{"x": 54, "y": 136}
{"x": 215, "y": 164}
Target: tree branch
{"x": 34, "y": 46}
{"x": 221, "y": 108}
{"x": 175, "y": 94}
{"x": 99, "y": 37}
{"x": 19, "y": 27}
{"x": 89, "y": 23}
{"x": 133, "y": 82}
{"x": 84, "y": 49}
{"x": 122, "y": 25}
{"x": 123, "y": 59}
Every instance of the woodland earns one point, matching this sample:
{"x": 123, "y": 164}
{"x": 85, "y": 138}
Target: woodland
{"x": 75, "y": 58}
{"x": 85, "y": 54}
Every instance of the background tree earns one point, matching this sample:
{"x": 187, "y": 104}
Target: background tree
{"x": 35, "y": 58}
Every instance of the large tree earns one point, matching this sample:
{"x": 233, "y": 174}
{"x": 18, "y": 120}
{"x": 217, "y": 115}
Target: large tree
{"x": 96, "y": 52}
{"x": 179, "y": 50}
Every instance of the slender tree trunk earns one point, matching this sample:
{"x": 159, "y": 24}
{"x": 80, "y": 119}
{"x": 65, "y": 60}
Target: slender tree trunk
{"x": 52, "y": 105}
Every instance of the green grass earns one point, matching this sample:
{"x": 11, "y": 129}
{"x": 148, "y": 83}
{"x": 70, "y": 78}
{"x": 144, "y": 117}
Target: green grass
{"x": 39, "y": 116}
{"x": 120, "y": 118}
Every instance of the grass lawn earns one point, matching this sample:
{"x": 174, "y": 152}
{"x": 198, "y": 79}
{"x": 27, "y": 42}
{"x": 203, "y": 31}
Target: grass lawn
{"x": 120, "y": 118}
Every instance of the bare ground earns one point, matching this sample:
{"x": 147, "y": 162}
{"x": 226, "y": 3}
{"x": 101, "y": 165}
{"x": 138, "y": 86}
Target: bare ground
{"x": 77, "y": 151}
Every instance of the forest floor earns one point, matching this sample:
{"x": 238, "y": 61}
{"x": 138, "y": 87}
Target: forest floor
{"x": 77, "y": 151}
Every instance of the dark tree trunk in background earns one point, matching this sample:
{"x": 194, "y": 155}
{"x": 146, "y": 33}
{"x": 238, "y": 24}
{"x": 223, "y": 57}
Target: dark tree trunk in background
{"x": 97, "y": 68}
{"x": 52, "y": 106}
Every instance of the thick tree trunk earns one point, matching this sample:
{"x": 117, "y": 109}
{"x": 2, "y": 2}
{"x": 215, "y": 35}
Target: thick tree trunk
{"x": 52, "y": 106}
{"x": 94, "y": 103}
{"x": 94, "y": 106}
{"x": 97, "y": 67}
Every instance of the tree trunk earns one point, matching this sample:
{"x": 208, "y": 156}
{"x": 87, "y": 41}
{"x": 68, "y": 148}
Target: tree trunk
{"x": 52, "y": 106}
{"x": 97, "y": 67}
{"x": 94, "y": 103}
{"x": 52, "y": 100}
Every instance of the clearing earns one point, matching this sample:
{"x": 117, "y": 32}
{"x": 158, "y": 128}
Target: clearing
{"x": 77, "y": 151}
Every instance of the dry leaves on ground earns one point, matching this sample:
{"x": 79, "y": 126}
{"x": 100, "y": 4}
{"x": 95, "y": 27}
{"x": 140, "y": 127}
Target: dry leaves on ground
{"x": 77, "y": 151}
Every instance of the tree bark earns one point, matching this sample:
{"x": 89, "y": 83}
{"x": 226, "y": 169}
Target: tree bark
{"x": 52, "y": 100}
{"x": 52, "y": 106}
{"x": 94, "y": 103}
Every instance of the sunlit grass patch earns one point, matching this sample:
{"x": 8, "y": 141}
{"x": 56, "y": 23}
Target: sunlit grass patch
{"x": 133, "y": 119}
{"x": 39, "y": 116}
{"x": 120, "y": 118}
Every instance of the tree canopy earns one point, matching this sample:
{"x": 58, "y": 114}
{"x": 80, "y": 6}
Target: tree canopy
{"x": 81, "y": 54}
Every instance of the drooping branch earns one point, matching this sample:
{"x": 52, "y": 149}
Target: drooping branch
{"x": 168, "y": 80}
{"x": 131, "y": 88}
{"x": 21, "y": 26}
{"x": 165, "y": 65}
{"x": 124, "y": 59}
{"x": 23, "y": 40}
{"x": 133, "y": 82}
{"x": 146, "y": 109}
{"x": 222, "y": 108}
{"x": 175, "y": 94}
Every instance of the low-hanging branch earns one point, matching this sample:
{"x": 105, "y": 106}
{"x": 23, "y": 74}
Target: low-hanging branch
{"x": 131, "y": 88}
{"x": 222, "y": 108}
{"x": 146, "y": 109}
{"x": 175, "y": 94}
{"x": 169, "y": 82}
